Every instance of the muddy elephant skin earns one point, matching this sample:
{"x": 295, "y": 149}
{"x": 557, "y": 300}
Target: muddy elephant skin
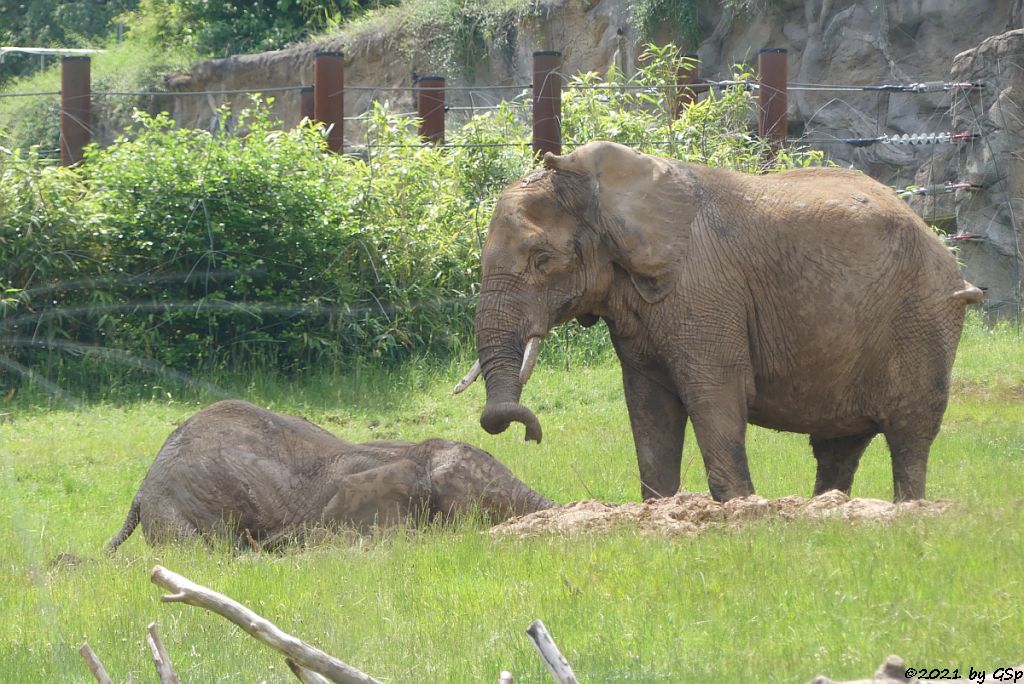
{"x": 234, "y": 467}
{"x": 811, "y": 301}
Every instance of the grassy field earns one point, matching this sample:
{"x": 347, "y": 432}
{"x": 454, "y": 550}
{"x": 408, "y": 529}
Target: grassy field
{"x": 772, "y": 602}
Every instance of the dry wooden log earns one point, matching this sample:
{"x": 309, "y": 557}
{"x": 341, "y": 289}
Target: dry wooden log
{"x": 95, "y": 666}
{"x": 305, "y": 676}
{"x": 164, "y": 667}
{"x": 556, "y": 663}
{"x": 305, "y": 655}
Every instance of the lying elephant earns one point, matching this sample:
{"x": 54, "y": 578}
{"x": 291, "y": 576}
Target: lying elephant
{"x": 810, "y": 301}
{"x": 234, "y": 468}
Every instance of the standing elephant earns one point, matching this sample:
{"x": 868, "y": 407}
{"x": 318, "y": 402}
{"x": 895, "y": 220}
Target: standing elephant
{"x": 810, "y": 301}
{"x": 234, "y": 468}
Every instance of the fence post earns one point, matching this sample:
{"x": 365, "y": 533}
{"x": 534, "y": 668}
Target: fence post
{"x": 430, "y": 108}
{"x": 75, "y": 108}
{"x": 307, "y": 107}
{"x": 687, "y": 74}
{"x": 329, "y": 96}
{"x": 772, "y": 104}
{"x": 547, "y": 102}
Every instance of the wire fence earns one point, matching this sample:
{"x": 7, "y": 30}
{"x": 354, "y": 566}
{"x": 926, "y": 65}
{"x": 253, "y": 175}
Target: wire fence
{"x": 524, "y": 98}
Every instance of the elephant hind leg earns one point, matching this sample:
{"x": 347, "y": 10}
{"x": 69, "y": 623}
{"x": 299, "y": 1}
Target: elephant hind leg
{"x": 838, "y": 458}
{"x": 909, "y": 450}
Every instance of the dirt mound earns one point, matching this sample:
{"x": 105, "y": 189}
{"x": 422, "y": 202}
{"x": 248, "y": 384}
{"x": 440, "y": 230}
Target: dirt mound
{"x": 691, "y": 513}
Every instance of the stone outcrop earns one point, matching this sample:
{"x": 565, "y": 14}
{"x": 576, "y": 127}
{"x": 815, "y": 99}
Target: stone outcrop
{"x": 990, "y": 218}
{"x": 860, "y": 43}
{"x": 591, "y": 36}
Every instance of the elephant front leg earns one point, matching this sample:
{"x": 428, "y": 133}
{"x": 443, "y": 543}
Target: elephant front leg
{"x": 658, "y": 420}
{"x": 719, "y": 415}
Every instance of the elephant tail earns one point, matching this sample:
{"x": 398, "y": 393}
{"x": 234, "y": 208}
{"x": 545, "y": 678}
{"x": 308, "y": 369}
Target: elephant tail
{"x": 130, "y": 523}
{"x": 969, "y": 294}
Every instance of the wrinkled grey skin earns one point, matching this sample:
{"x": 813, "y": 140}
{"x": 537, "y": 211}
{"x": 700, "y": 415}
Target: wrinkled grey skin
{"x": 234, "y": 467}
{"x": 811, "y": 301}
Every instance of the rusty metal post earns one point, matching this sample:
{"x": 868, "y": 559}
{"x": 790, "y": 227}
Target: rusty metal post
{"x": 306, "y": 103}
{"x": 771, "y": 76}
{"x": 430, "y": 108}
{"x": 329, "y": 96}
{"x": 688, "y": 74}
{"x": 75, "y": 108}
{"x": 547, "y": 102}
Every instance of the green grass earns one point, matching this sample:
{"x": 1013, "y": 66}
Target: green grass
{"x": 772, "y": 602}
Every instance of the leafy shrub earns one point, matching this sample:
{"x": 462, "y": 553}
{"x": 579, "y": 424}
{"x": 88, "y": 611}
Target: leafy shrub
{"x": 51, "y": 232}
{"x": 251, "y": 246}
{"x": 715, "y": 131}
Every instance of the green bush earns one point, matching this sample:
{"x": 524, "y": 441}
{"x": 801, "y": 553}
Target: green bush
{"x": 637, "y": 111}
{"x": 51, "y": 239}
{"x": 184, "y": 250}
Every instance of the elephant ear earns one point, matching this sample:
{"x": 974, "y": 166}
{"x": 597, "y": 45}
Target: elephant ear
{"x": 646, "y": 206}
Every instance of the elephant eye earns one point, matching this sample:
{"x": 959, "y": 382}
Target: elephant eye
{"x": 540, "y": 259}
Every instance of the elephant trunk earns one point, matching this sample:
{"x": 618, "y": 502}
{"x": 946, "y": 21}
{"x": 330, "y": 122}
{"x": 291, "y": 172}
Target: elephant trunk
{"x": 498, "y": 415}
{"x": 506, "y": 363}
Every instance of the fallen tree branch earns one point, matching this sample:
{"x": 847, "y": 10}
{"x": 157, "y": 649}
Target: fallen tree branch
{"x": 95, "y": 666}
{"x": 305, "y": 676}
{"x": 303, "y": 654}
{"x": 556, "y": 663}
{"x": 164, "y": 668}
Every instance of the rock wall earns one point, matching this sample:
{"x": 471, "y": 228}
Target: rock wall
{"x": 989, "y": 219}
{"x": 591, "y": 36}
{"x": 829, "y": 42}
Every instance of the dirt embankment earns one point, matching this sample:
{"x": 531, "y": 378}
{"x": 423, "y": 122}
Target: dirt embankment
{"x": 692, "y": 513}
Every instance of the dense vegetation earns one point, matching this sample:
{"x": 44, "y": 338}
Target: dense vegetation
{"x": 180, "y": 250}
{"x": 769, "y": 602}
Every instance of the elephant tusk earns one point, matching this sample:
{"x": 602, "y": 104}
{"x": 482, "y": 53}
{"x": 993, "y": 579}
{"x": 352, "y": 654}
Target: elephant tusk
{"x": 469, "y": 378}
{"x": 529, "y": 359}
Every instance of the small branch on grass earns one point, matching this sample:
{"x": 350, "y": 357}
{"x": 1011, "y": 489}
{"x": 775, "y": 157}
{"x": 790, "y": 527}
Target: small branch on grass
{"x": 95, "y": 666}
{"x": 309, "y": 657}
{"x": 556, "y": 663}
{"x": 164, "y": 668}
{"x": 253, "y": 544}
{"x": 580, "y": 478}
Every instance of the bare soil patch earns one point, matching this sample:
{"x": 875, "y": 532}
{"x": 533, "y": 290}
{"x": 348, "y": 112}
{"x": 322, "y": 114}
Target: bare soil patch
{"x": 687, "y": 514}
